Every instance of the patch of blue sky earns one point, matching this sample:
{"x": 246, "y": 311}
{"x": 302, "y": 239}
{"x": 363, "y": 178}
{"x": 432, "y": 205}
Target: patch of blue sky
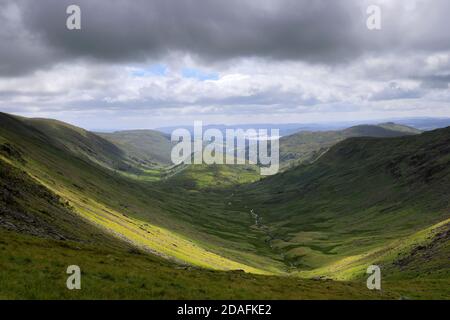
{"x": 195, "y": 73}
{"x": 153, "y": 70}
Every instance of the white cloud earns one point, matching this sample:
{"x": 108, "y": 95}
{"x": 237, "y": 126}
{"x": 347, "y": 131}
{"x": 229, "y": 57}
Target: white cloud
{"x": 284, "y": 74}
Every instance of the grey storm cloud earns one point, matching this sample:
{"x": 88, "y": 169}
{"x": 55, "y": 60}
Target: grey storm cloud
{"x": 393, "y": 92}
{"x": 436, "y": 82}
{"x": 315, "y": 31}
{"x": 211, "y": 30}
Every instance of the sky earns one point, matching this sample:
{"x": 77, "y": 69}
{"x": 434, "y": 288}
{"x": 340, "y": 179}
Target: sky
{"x": 153, "y": 63}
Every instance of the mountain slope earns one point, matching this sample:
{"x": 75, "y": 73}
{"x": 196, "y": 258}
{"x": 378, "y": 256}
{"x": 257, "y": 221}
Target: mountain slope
{"x": 399, "y": 127}
{"x": 359, "y": 196}
{"x": 148, "y": 147}
{"x": 188, "y": 227}
{"x": 309, "y": 145}
{"x": 81, "y": 143}
{"x": 40, "y": 236}
{"x": 30, "y": 208}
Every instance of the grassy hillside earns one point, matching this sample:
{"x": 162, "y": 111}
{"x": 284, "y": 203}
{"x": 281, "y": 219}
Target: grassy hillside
{"x": 147, "y": 147}
{"x": 40, "y": 236}
{"x": 309, "y": 145}
{"x": 82, "y": 143}
{"x": 361, "y": 196}
{"x": 29, "y": 208}
{"x": 399, "y": 128}
{"x": 45, "y": 236}
{"x": 211, "y": 176}
{"x": 190, "y": 227}
{"x": 34, "y": 268}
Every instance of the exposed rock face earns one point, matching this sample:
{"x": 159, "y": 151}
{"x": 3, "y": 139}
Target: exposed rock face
{"x": 425, "y": 252}
{"x": 18, "y": 189}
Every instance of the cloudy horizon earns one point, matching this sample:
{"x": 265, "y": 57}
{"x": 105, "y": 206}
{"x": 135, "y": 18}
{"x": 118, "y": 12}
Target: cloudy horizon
{"x": 149, "y": 64}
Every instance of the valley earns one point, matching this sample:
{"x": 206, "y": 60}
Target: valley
{"x": 146, "y": 230}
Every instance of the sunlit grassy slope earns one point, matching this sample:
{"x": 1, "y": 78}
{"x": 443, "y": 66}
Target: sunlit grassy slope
{"x": 35, "y": 268}
{"x": 133, "y": 210}
{"x": 45, "y": 234}
{"x": 424, "y": 252}
{"x": 64, "y": 223}
{"x": 202, "y": 176}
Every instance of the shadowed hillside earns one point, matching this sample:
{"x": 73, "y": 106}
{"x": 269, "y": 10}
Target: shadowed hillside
{"x": 360, "y": 196}
{"x": 310, "y": 145}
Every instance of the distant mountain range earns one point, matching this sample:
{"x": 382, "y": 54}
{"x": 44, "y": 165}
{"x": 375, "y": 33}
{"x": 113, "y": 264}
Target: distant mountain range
{"x": 308, "y": 145}
{"x": 291, "y": 128}
{"x": 149, "y": 148}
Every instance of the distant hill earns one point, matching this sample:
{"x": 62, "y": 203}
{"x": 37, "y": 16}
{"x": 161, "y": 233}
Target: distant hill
{"x": 399, "y": 128}
{"x": 307, "y": 145}
{"x": 147, "y": 147}
{"x": 425, "y": 124}
{"x": 286, "y": 129}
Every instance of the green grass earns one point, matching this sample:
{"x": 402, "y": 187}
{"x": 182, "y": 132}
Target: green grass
{"x": 361, "y": 196}
{"x": 34, "y": 268}
{"x": 395, "y": 258}
{"x": 187, "y": 219}
{"x": 364, "y": 201}
{"x": 214, "y": 176}
{"x": 147, "y": 148}
{"x": 307, "y": 146}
